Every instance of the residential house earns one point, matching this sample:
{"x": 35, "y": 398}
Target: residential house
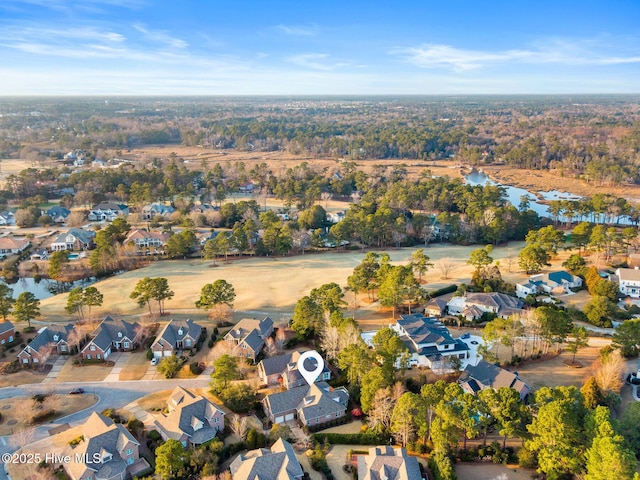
{"x": 6, "y": 218}
{"x": 53, "y": 339}
{"x": 277, "y": 463}
{"x": 40, "y": 254}
{"x": 249, "y": 334}
{"x": 283, "y": 369}
{"x": 192, "y": 419}
{"x": 176, "y": 335}
{"x": 335, "y": 217}
{"x": 153, "y": 209}
{"x": 629, "y": 281}
{"x": 487, "y": 375}
{"x": 147, "y": 242}
{"x": 428, "y": 341}
{"x": 7, "y": 332}
{"x": 74, "y": 239}
{"x": 107, "y": 451}
{"x": 11, "y": 245}
{"x": 204, "y": 208}
{"x": 498, "y": 303}
{"x": 310, "y": 404}
{"x": 107, "y": 211}
{"x": 436, "y": 307}
{"x": 390, "y": 463}
{"x": 58, "y": 214}
{"x": 559, "y": 283}
{"x": 111, "y": 335}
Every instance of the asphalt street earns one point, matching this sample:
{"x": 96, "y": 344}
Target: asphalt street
{"x": 110, "y": 395}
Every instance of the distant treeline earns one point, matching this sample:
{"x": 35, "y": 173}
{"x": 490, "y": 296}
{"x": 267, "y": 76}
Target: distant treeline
{"x": 597, "y": 138}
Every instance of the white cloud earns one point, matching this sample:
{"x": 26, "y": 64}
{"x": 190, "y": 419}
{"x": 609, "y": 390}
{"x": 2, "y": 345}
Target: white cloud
{"x": 585, "y": 52}
{"x": 297, "y": 30}
{"x": 315, "y": 61}
{"x": 161, "y": 37}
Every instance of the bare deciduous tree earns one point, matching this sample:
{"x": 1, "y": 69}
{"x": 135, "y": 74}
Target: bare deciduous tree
{"x": 609, "y": 372}
{"x": 447, "y": 266}
{"x": 270, "y": 349}
{"x": 239, "y": 426}
{"x": 381, "y": 409}
{"x": 330, "y": 342}
{"x": 281, "y": 340}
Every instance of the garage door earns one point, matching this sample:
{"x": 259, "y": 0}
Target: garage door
{"x": 167, "y": 353}
{"x": 288, "y": 417}
{"x": 157, "y": 354}
{"x": 279, "y": 420}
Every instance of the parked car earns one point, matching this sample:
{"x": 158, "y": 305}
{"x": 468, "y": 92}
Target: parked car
{"x": 465, "y": 336}
{"x": 154, "y": 361}
{"x": 76, "y": 391}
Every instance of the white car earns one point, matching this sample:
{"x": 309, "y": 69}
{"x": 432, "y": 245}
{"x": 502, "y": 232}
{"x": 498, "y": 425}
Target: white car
{"x": 154, "y": 361}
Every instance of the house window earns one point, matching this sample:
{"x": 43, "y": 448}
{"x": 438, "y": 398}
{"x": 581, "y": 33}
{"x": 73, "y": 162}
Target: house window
{"x": 63, "y": 348}
{"x": 89, "y": 357}
{"x": 244, "y": 345}
{"x": 126, "y": 344}
{"x": 35, "y": 360}
{"x": 130, "y": 461}
{"x": 92, "y": 348}
{"x": 129, "y": 451}
{"x": 11, "y": 338}
{"x": 25, "y": 360}
{"x": 98, "y": 356}
{"x": 184, "y": 443}
{"x": 2, "y": 341}
{"x": 188, "y": 342}
{"x": 215, "y": 419}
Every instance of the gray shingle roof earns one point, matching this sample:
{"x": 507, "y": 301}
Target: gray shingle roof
{"x": 49, "y": 334}
{"x": 278, "y": 463}
{"x": 312, "y": 401}
{"x": 424, "y": 330}
{"x": 177, "y": 330}
{"x": 101, "y": 436}
{"x": 387, "y": 463}
{"x": 112, "y": 330}
{"x": 487, "y": 375}
{"x": 187, "y": 410}
{"x": 6, "y": 326}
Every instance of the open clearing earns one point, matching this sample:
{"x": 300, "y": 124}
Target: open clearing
{"x": 14, "y": 415}
{"x": 270, "y": 285}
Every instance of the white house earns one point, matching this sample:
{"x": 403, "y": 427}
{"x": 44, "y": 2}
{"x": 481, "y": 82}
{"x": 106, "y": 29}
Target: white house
{"x": 428, "y": 341}
{"x": 559, "y": 282}
{"x": 629, "y": 281}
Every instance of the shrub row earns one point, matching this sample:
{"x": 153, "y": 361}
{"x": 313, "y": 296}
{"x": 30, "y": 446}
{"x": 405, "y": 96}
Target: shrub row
{"x": 352, "y": 438}
{"x": 443, "y": 291}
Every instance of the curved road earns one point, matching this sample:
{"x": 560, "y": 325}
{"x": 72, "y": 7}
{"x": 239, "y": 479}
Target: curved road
{"x": 110, "y": 395}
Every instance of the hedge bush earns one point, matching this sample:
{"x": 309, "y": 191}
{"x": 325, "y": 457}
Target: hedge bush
{"x": 352, "y": 438}
{"x": 443, "y": 291}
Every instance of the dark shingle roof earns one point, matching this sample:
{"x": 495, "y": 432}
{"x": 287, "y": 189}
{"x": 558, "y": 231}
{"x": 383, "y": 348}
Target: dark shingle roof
{"x": 6, "y": 326}
{"x": 51, "y": 334}
{"x": 487, "y": 375}
{"x": 278, "y": 463}
{"x": 178, "y": 330}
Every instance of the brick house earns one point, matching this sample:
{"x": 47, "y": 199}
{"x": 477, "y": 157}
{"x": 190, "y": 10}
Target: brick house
{"x": 176, "y": 335}
{"x": 111, "y": 335}
{"x": 53, "y": 339}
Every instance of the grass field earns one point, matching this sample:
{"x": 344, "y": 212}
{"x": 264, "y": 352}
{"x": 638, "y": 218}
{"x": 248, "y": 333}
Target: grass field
{"x": 267, "y": 286}
{"x": 13, "y": 417}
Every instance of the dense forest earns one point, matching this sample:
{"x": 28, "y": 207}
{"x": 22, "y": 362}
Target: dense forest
{"x": 593, "y": 137}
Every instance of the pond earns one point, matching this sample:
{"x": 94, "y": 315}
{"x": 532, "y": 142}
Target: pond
{"x": 43, "y": 288}
{"x": 515, "y": 194}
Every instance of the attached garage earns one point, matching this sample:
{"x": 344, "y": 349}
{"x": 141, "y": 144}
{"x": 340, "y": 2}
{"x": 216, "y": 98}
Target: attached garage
{"x": 289, "y": 417}
{"x": 279, "y": 419}
{"x": 167, "y": 353}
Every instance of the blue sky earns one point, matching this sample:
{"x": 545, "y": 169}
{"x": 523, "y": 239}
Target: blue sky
{"x": 240, "y": 47}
